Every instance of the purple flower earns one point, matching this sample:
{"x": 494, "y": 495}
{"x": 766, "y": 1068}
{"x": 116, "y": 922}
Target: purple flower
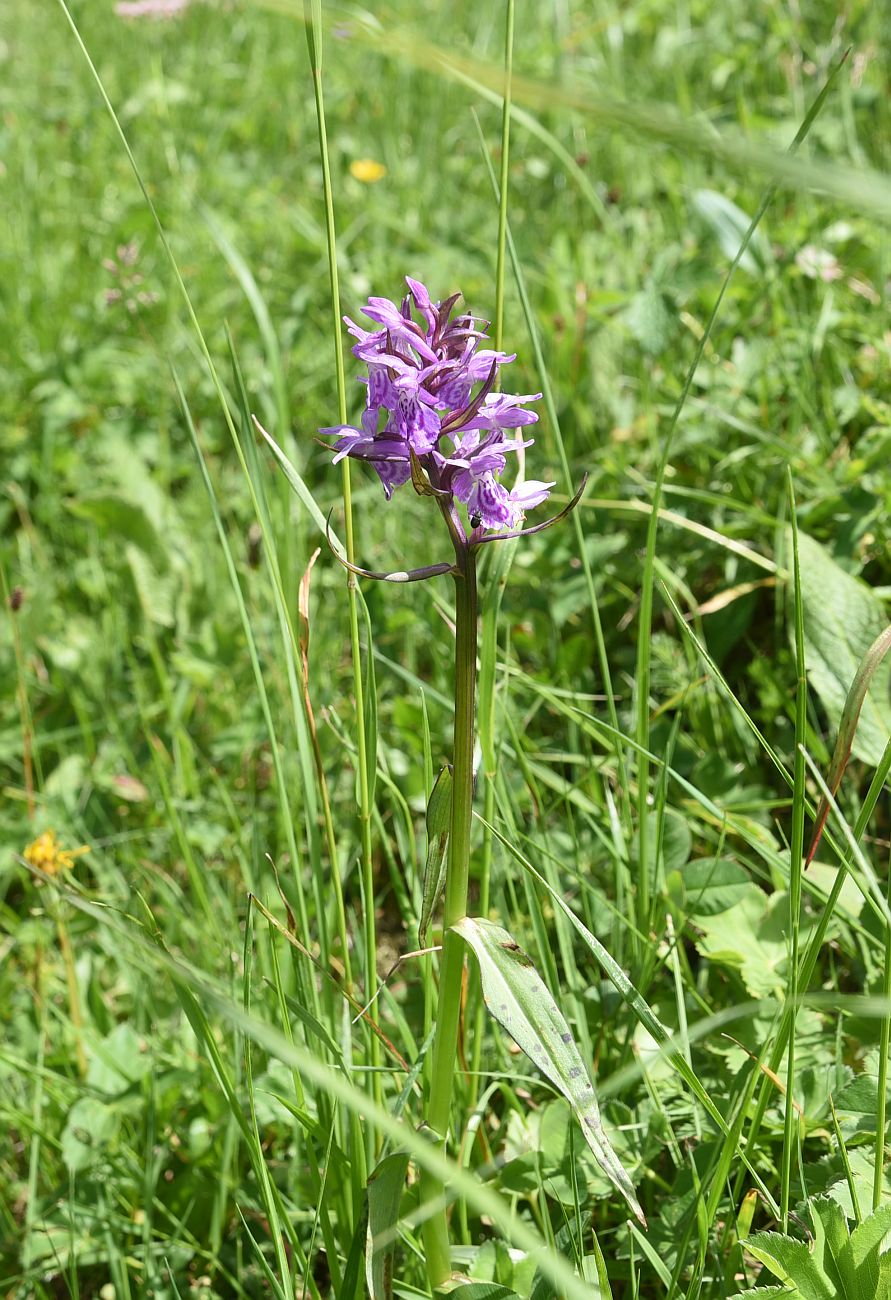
{"x": 430, "y": 394}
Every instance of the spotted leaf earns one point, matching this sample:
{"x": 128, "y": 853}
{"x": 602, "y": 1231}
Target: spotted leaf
{"x": 519, "y": 999}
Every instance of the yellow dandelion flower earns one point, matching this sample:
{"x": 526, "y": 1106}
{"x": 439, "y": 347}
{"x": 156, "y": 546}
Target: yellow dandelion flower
{"x": 367, "y": 170}
{"x": 46, "y": 854}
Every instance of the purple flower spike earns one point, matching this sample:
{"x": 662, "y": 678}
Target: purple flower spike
{"x": 430, "y": 394}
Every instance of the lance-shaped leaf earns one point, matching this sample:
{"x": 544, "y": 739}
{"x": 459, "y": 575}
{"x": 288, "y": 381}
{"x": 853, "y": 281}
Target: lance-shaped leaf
{"x": 843, "y": 618}
{"x": 848, "y": 728}
{"x": 519, "y": 999}
{"x": 385, "y": 1188}
{"x": 439, "y": 818}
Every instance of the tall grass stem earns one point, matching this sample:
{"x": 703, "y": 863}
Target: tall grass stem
{"x": 313, "y": 10}
{"x": 799, "y": 799}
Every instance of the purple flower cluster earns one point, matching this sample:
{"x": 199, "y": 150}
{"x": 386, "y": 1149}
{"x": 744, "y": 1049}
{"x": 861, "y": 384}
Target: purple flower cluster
{"x": 431, "y": 396}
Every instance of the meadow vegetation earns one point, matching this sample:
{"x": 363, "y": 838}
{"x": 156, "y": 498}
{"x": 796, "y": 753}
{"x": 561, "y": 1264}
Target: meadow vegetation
{"x": 214, "y": 1059}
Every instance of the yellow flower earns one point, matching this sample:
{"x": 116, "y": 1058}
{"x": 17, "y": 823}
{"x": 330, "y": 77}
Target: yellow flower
{"x": 367, "y": 170}
{"x": 47, "y": 856}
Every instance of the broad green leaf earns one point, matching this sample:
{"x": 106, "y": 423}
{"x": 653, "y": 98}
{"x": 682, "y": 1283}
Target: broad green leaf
{"x": 439, "y": 816}
{"x": 751, "y": 938}
{"x": 792, "y": 1262}
{"x": 519, "y": 1000}
{"x": 707, "y": 886}
{"x": 115, "y": 513}
{"x": 118, "y": 1061}
{"x": 843, "y": 620}
{"x": 729, "y": 225}
{"x": 385, "y": 1188}
{"x": 883, "y": 1289}
{"x": 675, "y": 843}
{"x": 90, "y": 1128}
{"x": 866, "y": 1281}
{"x": 859, "y": 1096}
{"x": 832, "y": 1250}
{"x": 868, "y": 1237}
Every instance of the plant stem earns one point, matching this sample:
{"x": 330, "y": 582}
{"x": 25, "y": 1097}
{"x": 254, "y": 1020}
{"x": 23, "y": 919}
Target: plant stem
{"x": 313, "y": 12}
{"x": 445, "y": 1043}
{"x": 488, "y": 651}
{"x": 881, "y": 1093}
{"x": 797, "y": 853}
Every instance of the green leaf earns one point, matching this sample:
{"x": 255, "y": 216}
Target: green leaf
{"x": 868, "y": 1237}
{"x": 595, "y": 1271}
{"x": 883, "y": 1288}
{"x": 650, "y": 320}
{"x": 351, "y": 1286}
{"x": 385, "y": 1188}
{"x": 792, "y": 1262}
{"x": 729, "y": 225}
{"x": 118, "y": 1061}
{"x": 657, "y": 1263}
{"x": 843, "y": 618}
{"x": 872, "y": 662}
{"x": 91, "y": 1126}
{"x": 519, "y": 1000}
{"x": 832, "y": 1245}
{"x": 710, "y": 885}
{"x": 439, "y": 816}
{"x": 121, "y": 516}
{"x": 750, "y": 937}
{"x": 154, "y": 592}
{"x": 638, "y": 1004}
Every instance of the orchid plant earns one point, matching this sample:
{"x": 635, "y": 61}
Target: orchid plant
{"x": 434, "y": 417}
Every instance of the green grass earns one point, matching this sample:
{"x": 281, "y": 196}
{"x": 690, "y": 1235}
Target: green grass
{"x": 191, "y": 1098}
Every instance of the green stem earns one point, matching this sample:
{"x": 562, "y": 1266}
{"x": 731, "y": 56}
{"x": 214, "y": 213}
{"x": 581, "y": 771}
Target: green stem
{"x": 313, "y": 11}
{"x": 488, "y": 652}
{"x": 884, "y": 1043}
{"x": 445, "y": 1042}
{"x": 797, "y": 853}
